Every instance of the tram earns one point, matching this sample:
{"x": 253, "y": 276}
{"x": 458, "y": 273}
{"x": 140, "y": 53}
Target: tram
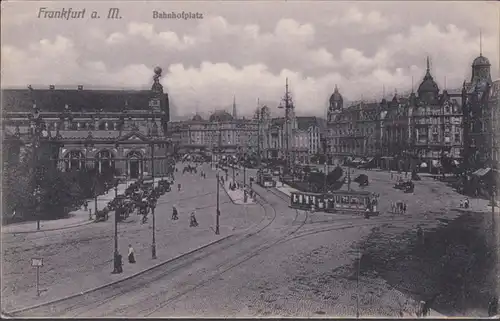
{"x": 337, "y": 201}
{"x": 265, "y": 179}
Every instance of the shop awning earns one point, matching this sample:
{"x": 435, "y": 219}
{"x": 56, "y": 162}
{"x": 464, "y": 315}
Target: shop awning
{"x": 387, "y": 157}
{"x": 369, "y": 160}
{"x": 455, "y": 162}
{"x": 481, "y": 172}
{"x": 423, "y": 165}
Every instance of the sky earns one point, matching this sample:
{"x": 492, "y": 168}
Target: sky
{"x": 247, "y": 49}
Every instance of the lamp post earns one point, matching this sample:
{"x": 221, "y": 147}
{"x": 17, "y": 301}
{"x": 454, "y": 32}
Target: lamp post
{"x": 153, "y": 245}
{"x": 116, "y": 256}
{"x": 217, "y": 214}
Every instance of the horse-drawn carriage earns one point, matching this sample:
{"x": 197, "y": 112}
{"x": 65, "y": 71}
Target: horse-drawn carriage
{"x": 407, "y": 187}
{"x": 102, "y": 215}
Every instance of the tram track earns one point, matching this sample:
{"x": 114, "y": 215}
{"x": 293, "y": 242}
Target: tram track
{"x": 174, "y": 266}
{"x": 138, "y": 281}
{"x": 148, "y": 299}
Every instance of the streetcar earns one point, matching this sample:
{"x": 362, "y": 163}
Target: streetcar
{"x": 265, "y": 179}
{"x": 362, "y": 202}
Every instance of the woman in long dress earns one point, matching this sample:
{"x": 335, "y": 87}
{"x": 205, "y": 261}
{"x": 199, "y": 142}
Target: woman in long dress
{"x": 131, "y": 256}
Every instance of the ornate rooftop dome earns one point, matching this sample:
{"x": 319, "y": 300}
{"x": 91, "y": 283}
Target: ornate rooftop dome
{"x": 220, "y": 115}
{"x": 336, "y": 100}
{"x": 481, "y": 61}
{"x": 428, "y": 85}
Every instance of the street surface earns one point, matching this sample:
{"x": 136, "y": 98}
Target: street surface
{"x": 81, "y": 258}
{"x": 290, "y": 263}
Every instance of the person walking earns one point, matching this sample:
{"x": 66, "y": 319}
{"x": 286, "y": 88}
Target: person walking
{"x": 193, "y": 222}
{"x": 404, "y": 208}
{"x": 174, "y": 213}
{"x": 493, "y": 306}
{"x": 131, "y": 256}
{"x": 461, "y": 203}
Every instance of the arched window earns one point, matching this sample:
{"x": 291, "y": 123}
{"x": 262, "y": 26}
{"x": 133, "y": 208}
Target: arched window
{"x": 74, "y": 160}
{"x": 105, "y": 162}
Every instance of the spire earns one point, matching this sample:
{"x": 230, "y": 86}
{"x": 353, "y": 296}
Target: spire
{"x": 428, "y": 65}
{"x": 412, "y": 85}
{"x": 336, "y": 89}
{"x": 480, "y": 43}
{"x": 234, "y": 107}
{"x": 383, "y": 91}
{"x": 445, "y": 83}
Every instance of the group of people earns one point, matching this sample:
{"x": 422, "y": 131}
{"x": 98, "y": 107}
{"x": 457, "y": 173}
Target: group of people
{"x": 464, "y": 203}
{"x": 192, "y": 219}
{"x": 398, "y": 207}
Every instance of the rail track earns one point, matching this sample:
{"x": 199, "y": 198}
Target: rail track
{"x": 114, "y": 290}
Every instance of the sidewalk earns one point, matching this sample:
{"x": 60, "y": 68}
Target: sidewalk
{"x": 237, "y": 196}
{"x": 76, "y": 218}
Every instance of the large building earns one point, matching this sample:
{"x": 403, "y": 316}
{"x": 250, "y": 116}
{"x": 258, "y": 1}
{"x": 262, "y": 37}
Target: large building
{"x": 109, "y": 130}
{"x": 353, "y": 131}
{"x": 222, "y": 133}
{"x": 421, "y": 130}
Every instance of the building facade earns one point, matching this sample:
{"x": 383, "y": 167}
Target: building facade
{"x": 109, "y": 130}
{"x": 222, "y": 133}
{"x": 352, "y": 131}
{"x": 423, "y": 129}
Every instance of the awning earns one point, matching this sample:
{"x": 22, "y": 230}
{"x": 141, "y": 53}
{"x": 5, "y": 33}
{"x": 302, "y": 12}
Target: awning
{"x": 370, "y": 159}
{"x": 387, "y": 157}
{"x": 455, "y": 162}
{"x": 481, "y": 172}
{"x": 423, "y": 165}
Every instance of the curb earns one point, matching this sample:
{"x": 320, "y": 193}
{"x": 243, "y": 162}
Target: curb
{"x": 117, "y": 281}
{"x": 52, "y": 229}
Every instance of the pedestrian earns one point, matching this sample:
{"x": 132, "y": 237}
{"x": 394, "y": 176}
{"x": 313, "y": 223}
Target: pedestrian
{"x": 466, "y": 203}
{"x": 461, "y": 203}
{"x": 131, "y": 256}
{"x": 179, "y": 187}
{"x": 193, "y": 221}
{"x": 493, "y": 306}
{"x": 404, "y": 208}
{"x": 174, "y": 213}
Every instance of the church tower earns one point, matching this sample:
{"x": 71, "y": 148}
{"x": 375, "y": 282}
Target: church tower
{"x": 336, "y": 103}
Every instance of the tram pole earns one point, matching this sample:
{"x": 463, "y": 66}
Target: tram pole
{"x": 217, "y": 214}
{"x": 116, "y": 257}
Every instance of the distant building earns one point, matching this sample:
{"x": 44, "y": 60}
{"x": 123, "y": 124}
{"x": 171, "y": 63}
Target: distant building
{"x": 222, "y": 133}
{"x": 352, "y": 132}
{"x": 109, "y": 130}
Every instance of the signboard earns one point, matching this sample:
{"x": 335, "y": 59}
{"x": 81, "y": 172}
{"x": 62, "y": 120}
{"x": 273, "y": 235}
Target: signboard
{"x": 36, "y": 262}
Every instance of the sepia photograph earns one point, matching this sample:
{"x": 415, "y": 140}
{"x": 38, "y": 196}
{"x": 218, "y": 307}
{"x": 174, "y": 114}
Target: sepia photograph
{"x": 229, "y": 159}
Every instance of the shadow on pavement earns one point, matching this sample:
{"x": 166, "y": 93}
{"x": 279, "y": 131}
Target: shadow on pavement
{"x": 454, "y": 261}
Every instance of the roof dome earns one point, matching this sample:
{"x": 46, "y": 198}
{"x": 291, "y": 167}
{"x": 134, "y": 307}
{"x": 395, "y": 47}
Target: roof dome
{"x": 197, "y": 118}
{"x": 336, "y": 96}
{"x": 220, "y": 115}
{"x": 481, "y": 61}
{"x": 428, "y": 85}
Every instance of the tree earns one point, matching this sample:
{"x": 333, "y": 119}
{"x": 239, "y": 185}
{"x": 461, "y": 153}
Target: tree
{"x": 334, "y": 175}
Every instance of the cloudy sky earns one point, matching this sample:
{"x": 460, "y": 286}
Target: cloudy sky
{"x": 247, "y": 49}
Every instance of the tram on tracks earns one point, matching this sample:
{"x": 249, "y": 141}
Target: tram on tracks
{"x": 362, "y": 202}
{"x": 265, "y": 179}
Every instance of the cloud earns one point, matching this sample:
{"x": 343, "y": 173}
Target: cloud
{"x": 362, "y": 22}
{"x": 361, "y": 49}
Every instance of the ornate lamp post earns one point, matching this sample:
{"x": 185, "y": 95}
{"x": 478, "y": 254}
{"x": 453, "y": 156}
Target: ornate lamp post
{"x": 153, "y": 245}
{"x": 39, "y": 133}
{"x": 217, "y": 214}
{"x": 116, "y": 256}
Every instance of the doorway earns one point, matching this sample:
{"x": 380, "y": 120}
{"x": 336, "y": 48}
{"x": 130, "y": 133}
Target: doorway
{"x": 134, "y": 169}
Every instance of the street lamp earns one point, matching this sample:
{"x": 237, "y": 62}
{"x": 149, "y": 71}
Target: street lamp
{"x": 217, "y": 214}
{"x": 153, "y": 206}
{"x": 117, "y": 256}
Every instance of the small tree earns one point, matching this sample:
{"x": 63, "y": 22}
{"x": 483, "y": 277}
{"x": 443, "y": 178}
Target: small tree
{"x": 334, "y": 175}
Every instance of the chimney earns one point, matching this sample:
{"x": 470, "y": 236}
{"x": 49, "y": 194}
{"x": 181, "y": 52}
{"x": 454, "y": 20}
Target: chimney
{"x": 52, "y": 87}
{"x": 80, "y": 87}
